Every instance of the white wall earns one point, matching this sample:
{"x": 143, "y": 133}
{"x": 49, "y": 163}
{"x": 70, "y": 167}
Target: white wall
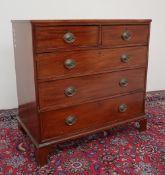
{"x": 78, "y": 9}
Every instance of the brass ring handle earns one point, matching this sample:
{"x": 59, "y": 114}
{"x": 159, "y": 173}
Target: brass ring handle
{"x": 69, "y": 63}
{"x": 70, "y": 91}
{"x": 123, "y": 107}
{"x": 123, "y": 82}
{"x": 70, "y": 120}
{"x": 125, "y": 58}
{"x": 69, "y": 37}
{"x": 126, "y": 36}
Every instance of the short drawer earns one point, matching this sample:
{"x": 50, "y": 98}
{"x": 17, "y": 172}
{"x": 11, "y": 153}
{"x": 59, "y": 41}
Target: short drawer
{"x": 67, "y": 64}
{"x": 91, "y": 115}
{"x": 52, "y": 38}
{"x": 124, "y": 35}
{"x": 73, "y": 91}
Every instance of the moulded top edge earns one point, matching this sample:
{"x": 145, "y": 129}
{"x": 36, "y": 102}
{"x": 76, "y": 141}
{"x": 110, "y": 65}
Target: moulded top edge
{"x": 85, "y": 21}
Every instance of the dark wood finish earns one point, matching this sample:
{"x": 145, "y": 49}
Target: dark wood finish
{"x": 103, "y": 85}
{"x": 83, "y": 113}
{"x": 93, "y": 130}
{"x": 48, "y": 38}
{"x": 147, "y": 65}
{"x": 25, "y": 77}
{"x": 21, "y": 128}
{"x": 88, "y": 22}
{"x": 143, "y": 125}
{"x": 112, "y": 35}
{"x": 40, "y": 52}
{"x": 42, "y": 155}
{"x": 51, "y": 65}
{"x": 29, "y": 116}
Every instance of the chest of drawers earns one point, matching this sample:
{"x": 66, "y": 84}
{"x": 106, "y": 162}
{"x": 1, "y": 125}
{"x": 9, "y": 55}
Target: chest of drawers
{"x": 76, "y": 77}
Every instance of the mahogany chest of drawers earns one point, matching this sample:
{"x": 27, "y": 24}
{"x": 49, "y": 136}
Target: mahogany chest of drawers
{"x": 76, "y": 77}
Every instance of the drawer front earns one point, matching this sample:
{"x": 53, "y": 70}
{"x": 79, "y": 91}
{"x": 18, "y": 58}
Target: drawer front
{"x": 51, "y": 38}
{"x": 91, "y": 115}
{"x": 124, "y": 35}
{"x": 68, "y": 64}
{"x": 62, "y": 93}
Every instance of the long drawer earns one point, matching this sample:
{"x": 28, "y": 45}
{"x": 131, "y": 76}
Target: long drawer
{"x": 72, "y": 91}
{"x": 91, "y": 115}
{"x": 68, "y": 64}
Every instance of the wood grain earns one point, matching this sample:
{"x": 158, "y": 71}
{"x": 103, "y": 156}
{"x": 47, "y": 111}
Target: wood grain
{"x": 40, "y": 52}
{"x": 25, "y": 77}
{"x": 91, "y": 114}
{"x": 51, "y": 65}
{"x": 51, "y": 94}
{"x": 88, "y": 22}
{"x": 112, "y": 35}
{"x": 48, "y": 38}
